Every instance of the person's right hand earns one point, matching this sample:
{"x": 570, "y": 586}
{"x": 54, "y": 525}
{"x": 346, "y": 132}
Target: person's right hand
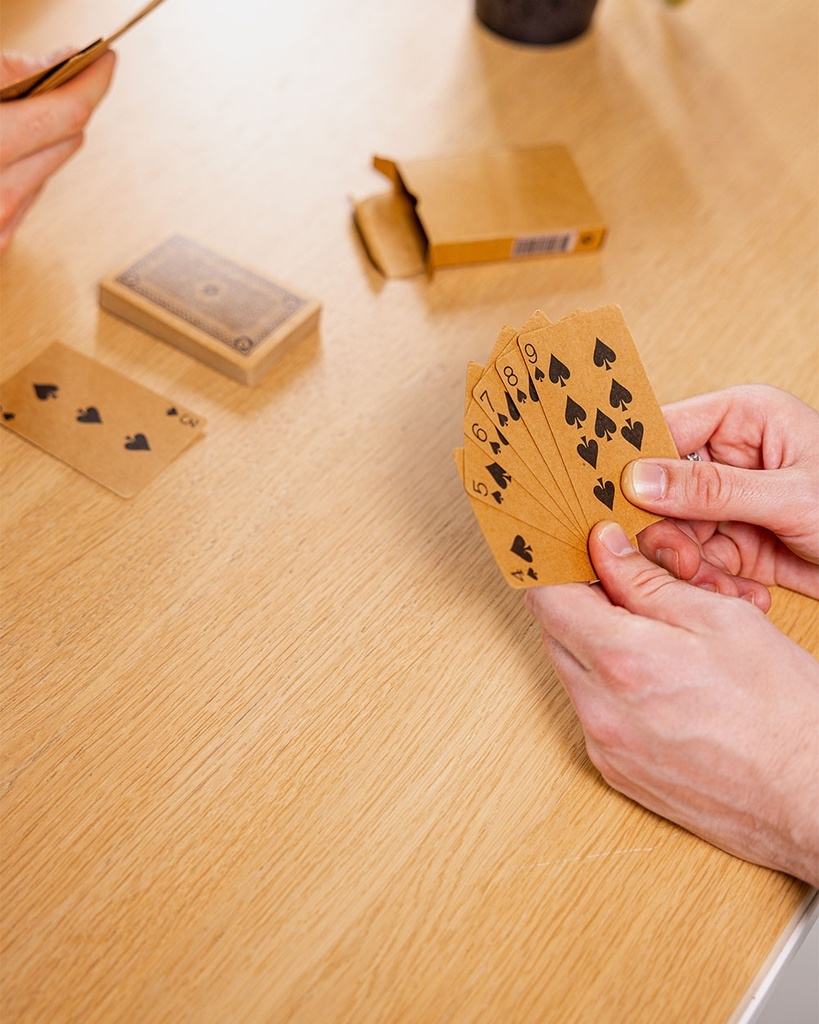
{"x": 751, "y": 506}
{"x": 39, "y": 133}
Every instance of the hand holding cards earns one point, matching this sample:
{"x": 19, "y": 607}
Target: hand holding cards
{"x": 550, "y": 422}
{"x": 50, "y": 77}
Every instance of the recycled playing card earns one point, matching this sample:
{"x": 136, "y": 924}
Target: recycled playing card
{"x": 550, "y": 423}
{"x": 225, "y": 314}
{"x": 108, "y": 427}
{"x": 50, "y": 77}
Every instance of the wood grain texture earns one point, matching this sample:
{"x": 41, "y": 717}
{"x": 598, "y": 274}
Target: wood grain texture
{"x": 279, "y": 744}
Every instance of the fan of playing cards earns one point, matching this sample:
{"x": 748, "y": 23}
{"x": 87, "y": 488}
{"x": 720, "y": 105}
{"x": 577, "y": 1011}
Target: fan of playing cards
{"x": 550, "y": 422}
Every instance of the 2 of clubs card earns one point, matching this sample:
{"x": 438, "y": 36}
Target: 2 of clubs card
{"x": 103, "y": 424}
{"x": 550, "y": 423}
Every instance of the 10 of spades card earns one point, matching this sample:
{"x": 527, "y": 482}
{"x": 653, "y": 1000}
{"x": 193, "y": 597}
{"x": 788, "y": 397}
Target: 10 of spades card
{"x": 108, "y": 427}
{"x": 226, "y": 315}
{"x": 550, "y": 423}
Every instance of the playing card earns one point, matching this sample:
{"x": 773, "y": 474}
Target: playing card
{"x": 108, "y": 427}
{"x": 526, "y": 556}
{"x": 549, "y": 425}
{"x": 601, "y": 408}
{"x": 225, "y": 314}
{"x": 49, "y": 78}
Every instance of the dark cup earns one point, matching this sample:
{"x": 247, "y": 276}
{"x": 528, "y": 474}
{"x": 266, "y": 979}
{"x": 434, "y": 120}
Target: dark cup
{"x": 542, "y": 22}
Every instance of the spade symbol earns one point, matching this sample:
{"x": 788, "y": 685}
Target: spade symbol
{"x": 499, "y": 475}
{"x": 521, "y": 396}
{"x": 619, "y": 396}
{"x": 513, "y": 409}
{"x": 503, "y": 420}
{"x": 137, "y": 443}
{"x": 533, "y": 390}
{"x": 559, "y": 373}
{"x": 89, "y": 415}
{"x": 44, "y": 391}
{"x": 521, "y": 549}
{"x": 7, "y": 415}
{"x": 588, "y": 451}
{"x": 539, "y": 374}
{"x": 531, "y": 573}
{"x": 172, "y": 411}
{"x": 605, "y": 492}
{"x": 633, "y": 433}
{"x": 575, "y": 414}
{"x": 604, "y": 426}
{"x": 603, "y": 355}
{"x": 498, "y": 497}
{"x": 495, "y": 447}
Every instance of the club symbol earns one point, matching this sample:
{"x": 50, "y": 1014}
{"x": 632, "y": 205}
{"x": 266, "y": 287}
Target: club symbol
{"x": 137, "y": 443}
{"x": 45, "y": 391}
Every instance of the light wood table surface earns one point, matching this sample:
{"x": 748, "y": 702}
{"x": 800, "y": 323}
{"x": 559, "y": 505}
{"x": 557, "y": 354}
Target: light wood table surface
{"x": 279, "y": 744}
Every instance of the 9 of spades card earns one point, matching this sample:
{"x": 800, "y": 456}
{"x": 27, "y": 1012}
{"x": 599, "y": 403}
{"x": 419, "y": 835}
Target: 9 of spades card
{"x": 103, "y": 424}
{"x": 601, "y": 408}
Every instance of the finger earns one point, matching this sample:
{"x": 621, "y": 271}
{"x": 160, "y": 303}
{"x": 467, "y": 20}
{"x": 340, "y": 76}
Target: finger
{"x": 24, "y": 179}
{"x": 571, "y": 614}
{"x": 740, "y": 548}
{"x": 15, "y": 66}
{"x": 711, "y": 491}
{"x": 632, "y": 582}
{"x": 8, "y": 228}
{"x": 671, "y": 545}
{"x": 29, "y": 125}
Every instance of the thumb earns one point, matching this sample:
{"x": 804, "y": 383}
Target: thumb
{"x": 710, "y": 491}
{"x": 635, "y": 583}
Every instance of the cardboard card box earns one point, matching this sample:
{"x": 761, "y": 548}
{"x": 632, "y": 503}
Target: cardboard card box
{"x": 508, "y": 204}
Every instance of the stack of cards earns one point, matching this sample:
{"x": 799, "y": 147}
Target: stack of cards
{"x": 225, "y": 314}
{"x": 550, "y": 423}
{"x": 108, "y": 427}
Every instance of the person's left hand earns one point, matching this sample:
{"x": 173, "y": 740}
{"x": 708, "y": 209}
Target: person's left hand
{"x": 39, "y": 133}
{"x": 692, "y": 703}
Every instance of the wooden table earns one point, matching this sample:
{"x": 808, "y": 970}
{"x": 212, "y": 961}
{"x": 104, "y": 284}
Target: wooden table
{"x": 279, "y": 744}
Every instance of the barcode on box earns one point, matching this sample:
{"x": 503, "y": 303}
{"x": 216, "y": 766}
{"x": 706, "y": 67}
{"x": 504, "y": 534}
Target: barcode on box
{"x": 539, "y": 245}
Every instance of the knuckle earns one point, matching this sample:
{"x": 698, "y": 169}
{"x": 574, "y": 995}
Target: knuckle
{"x": 707, "y": 486}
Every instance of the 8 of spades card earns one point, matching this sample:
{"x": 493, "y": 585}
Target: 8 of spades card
{"x": 550, "y": 423}
{"x": 105, "y": 425}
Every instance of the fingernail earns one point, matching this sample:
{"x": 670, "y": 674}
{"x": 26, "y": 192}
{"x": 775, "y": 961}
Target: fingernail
{"x": 668, "y": 559}
{"x": 648, "y": 480}
{"x": 614, "y": 539}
